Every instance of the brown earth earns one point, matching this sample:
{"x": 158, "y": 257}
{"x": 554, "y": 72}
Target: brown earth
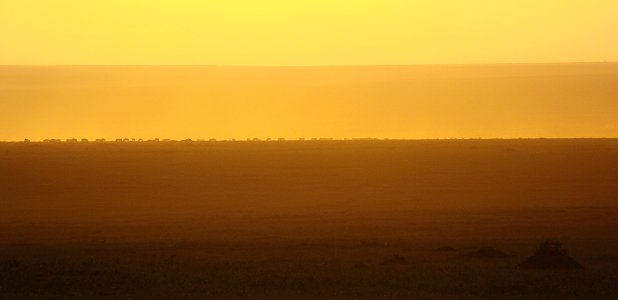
{"x": 292, "y": 219}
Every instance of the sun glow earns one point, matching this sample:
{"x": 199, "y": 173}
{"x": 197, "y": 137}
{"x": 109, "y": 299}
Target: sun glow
{"x": 317, "y": 32}
{"x": 236, "y": 98}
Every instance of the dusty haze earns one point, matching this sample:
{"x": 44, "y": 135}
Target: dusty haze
{"x": 433, "y": 101}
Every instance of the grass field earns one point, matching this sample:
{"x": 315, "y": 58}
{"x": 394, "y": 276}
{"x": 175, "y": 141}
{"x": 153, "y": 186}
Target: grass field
{"x": 314, "y": 219}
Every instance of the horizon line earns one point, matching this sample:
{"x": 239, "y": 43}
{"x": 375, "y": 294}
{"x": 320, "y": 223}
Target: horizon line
{"x": 322, "y": 139}
{"x": 312, "y": 65}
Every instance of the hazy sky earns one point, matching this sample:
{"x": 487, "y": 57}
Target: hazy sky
{"x": 434, "y": 102}
{"x": 438, "y": 101}
{"x": 306, "y": 32}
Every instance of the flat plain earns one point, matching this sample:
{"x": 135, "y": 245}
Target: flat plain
{"x": 306, "y": 219}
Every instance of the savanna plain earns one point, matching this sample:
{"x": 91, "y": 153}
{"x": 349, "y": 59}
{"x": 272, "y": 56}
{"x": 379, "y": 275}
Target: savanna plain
{"x": 307, "y": 219}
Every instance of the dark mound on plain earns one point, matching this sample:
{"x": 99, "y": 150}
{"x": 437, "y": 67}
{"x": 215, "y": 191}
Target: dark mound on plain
{"x": 550, "y": 255}
{"x": 395, "y": 260}
{"x": 487, "y": 253}
{"x": 445, "y": 249}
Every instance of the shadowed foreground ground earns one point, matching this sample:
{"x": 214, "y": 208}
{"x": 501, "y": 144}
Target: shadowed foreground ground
{"x": 306, "y": 219}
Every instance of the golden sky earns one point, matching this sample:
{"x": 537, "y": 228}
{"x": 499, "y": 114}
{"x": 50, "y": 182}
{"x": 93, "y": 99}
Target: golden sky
{"x": 306, "y": 32}
{"x": 430, "y": 101}
{"x": 236, "y": 102}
